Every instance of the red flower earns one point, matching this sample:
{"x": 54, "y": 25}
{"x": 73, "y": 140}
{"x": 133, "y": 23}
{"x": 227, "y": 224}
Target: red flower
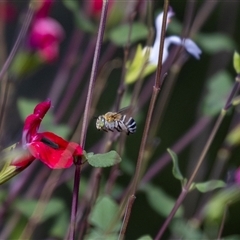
{"x": 49, "y": 148}
{"x": 96, "y": 7}
{"x": 44, "y": 7}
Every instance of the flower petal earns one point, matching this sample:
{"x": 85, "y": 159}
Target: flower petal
{"x": 159, "y": 20}
{"x": 45, "y": 37}
{"x": 22, "y": 158}
{"x": 192, "y": 48}
{"x": 72, "y": 147}
{"x": 55, "y": 159}
{"x": 41, "y": 109}
{"x": 189, "y": 45}
{"x": 33, "y": 121}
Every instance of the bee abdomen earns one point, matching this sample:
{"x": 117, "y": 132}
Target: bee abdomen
{"x": 131, "y": 125}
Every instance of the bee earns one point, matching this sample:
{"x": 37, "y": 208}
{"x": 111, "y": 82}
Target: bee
{"x": 116, "y": 120}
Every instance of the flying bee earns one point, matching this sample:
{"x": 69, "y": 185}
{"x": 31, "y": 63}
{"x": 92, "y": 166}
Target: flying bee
{"x": 116, "y": 120}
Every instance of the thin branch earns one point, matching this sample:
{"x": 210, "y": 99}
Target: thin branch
{"x": 156, "y": 89}
{"x": 180, "y": 145}
{"x": 185, "y": 189}
{"x": 86, "y": 119}
{"x": 94, "y": 71}
{"x": 126, "y": 217}
{"x": 160, "y": 54}
{"x": 21, "y": 36}
{"x": 222, "y": 222}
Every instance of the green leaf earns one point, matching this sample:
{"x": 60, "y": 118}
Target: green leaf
{"x": 210, "y": 185}
{"x": 233, "y": 137}
{"x": 80, "y": 19}
{"x": 215, "y": 207}
{"x": 139, "y": 66}
{"x": 104, "y": 159}
{"x": 99, "y": 235}
{"x": 104, "y": 215}
{"x": 218, "y": 88}
{"x": 87, "y": 155}
{"x": 236, "y": 62}
{"x": 25, "y": 63}
{"x": 175, "y": 170}
{"x": 25, "y": 108}
{"x": 160, "y": 201}
{"x": 46, "y": 211}
{"x": 145, "y": 237}
{"x": 60, "y": 225}
{"x": 119, "y": 35}
{"x": 186, "y": 230}
{"x": 71, "y": 4}
{"x": 215, "y": 42}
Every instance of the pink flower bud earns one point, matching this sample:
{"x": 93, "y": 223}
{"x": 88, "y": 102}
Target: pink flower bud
{"x": 45, "y": 37}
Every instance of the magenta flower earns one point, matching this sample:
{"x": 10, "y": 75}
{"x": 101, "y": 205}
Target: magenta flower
{"x": 45, "y": 37}
{"x": 49, "y": 148}
{"x": 46, "y": 33}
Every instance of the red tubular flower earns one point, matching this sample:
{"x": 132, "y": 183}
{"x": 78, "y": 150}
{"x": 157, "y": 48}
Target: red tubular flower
{"x": 49, "y": 148}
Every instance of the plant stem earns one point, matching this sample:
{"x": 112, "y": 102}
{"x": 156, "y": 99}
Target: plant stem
{"x": 188, "y": 185}
{"x": 222, "y": 222}
{"x": 158, "y": 79}
{"x": 126, "y": 217}
{"x": 181, "y": 144}
{"x": 94, "y": 71}
{"x": 20, "y": 37}
{"x": 86, "y": 119}
{"x": 156, "y": 89}
{"x": 41, "y": 205}
{"x": 75, "y": 202}
{"x": 186, "y": 188}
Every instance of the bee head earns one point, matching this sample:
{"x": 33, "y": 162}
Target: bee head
{"x": 100, "y": 123}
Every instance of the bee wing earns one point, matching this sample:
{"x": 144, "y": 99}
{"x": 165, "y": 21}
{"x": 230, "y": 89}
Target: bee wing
{"x": 126, "y": 110}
